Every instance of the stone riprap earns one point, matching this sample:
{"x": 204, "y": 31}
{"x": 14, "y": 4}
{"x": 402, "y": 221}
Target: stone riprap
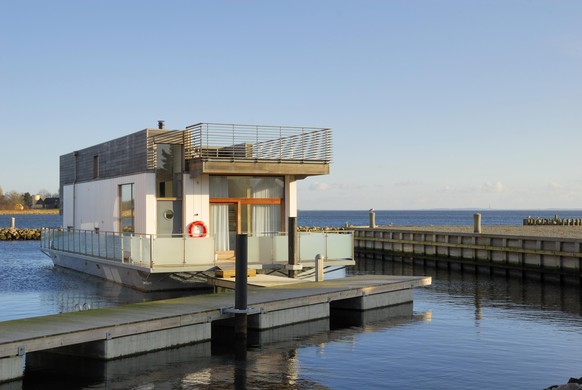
{"x": 573, "y": 384}
{"x": 16, "y": 234}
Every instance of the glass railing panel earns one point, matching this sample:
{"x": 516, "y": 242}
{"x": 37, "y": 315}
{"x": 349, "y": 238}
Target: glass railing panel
{"x": 136, "y": 250}
{"x": 168, "y": 251}
{"x": 126, "y": 247}
{"x": 108, "y": 246}
{"x": 96, "y": 244}
{"x": 310, "y": 245}
{"x": 118, "y": 246}
{"x": 146, "y": 249}
{"x": 253, "y": 247}
{"x": 199, "y": 251}
{"x": 67, "y": 240}
{"x": 340, "y": 246}
{"x": 260, "y": 249}
{"x": 280, "y": 249}
{"x": 267, "y": 249}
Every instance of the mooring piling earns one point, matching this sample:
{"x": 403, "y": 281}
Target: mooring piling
{"x": 372, "y": 219}
{"x": 477, "y": 223}
{"x": 240, "y": 291}
{"x": 293, "y": 261}
{"x": 319, "y": 268}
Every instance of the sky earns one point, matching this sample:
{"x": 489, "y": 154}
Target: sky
{"x": 432, "y": 104}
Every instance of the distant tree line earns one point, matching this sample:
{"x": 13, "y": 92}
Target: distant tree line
{"x": 17, "y": 201}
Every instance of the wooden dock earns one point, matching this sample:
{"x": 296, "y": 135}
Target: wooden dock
{"x": 111, "y": 333}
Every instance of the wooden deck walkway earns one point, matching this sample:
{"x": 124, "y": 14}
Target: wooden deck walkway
{"x": 143, "y": 327}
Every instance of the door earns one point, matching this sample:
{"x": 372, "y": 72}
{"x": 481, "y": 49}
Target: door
{"x": 169, "y": 217}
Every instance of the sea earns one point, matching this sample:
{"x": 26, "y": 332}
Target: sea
{"x": 465, "y": 331}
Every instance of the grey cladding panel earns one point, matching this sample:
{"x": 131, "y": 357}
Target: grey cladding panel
{"x": 123, "y": 156}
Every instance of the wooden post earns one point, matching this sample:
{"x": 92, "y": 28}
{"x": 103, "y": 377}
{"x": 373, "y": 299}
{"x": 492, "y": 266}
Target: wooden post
{"x": 477, "y": 223}
{"x": 292, "y": 248}
{"x": 240, "y": 289}
{"x": 372, "y": 219}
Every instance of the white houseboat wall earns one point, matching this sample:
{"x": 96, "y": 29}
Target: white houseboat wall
{"x": 159, "y": 209}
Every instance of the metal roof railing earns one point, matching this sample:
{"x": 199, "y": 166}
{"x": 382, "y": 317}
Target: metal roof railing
{"x": 232, "y": 142}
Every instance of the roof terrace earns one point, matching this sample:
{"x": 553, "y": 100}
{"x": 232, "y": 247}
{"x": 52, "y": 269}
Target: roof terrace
{"x": 216, "y": 148}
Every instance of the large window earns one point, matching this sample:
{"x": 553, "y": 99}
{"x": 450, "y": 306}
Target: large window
{"x": 126, "y": 208}
{"x": 169, "y": 171}
{"x": 245, "y": 204}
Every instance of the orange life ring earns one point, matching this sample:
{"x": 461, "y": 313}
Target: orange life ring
{"x": 197, "y": 229}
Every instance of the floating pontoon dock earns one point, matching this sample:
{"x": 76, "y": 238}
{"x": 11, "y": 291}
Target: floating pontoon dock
{"x": 139, "y": 328}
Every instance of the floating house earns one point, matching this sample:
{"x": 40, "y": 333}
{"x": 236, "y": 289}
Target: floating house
{"x": 161, "y": 209}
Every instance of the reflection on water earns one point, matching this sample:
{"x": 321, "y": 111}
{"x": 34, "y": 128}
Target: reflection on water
{"x": 481, "y": 287}
{"x": 273, "y": 358}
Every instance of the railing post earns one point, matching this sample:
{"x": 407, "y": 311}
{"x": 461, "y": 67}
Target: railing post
{"x": 293, "y": 260}
{"x": 152, "y": 251}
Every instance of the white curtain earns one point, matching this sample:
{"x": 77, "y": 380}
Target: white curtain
{"x": 266, "y": 219}
{"x": 219, "y": 213}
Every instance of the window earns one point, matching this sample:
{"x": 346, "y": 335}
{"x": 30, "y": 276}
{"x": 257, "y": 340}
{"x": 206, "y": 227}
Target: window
{"x": 126, "y": 208}
{"x": 245, "y": 204}
{"x": 169, "y": 171}
{"x": 95, "y": 167}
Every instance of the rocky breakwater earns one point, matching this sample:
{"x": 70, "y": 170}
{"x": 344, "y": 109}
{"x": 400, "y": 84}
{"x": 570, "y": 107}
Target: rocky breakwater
{"x": 16, "y": 234}
{"x": 573, "y": 384}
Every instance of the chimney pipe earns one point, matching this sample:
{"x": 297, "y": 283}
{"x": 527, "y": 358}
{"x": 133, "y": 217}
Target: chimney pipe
{"x": 161, "y": 125}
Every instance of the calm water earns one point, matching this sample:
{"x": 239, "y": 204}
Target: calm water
{"x": 467, "y": 330}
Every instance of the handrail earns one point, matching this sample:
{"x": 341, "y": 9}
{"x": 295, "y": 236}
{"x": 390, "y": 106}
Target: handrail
{"x": 152, "y": 251}
{"x": 235, "y": 142}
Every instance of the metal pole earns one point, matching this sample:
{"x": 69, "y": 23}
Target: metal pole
{"x": 292, "y": 235}
{"x": 12, "y": 222}
{"x": 240, "y": 289}
{"x": 372, "y": 219}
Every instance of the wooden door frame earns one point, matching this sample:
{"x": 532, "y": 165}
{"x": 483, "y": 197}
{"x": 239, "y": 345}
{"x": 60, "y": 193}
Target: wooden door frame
{"x": 251, "y": 201}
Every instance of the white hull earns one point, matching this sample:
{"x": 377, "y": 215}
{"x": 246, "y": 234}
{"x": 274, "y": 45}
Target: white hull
{"x": 128, "y": 275}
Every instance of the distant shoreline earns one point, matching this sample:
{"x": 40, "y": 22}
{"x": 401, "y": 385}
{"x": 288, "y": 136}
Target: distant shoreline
{"x": 34, "y": 211}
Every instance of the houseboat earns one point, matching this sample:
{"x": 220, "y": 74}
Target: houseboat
{"x": 160, "y": 209}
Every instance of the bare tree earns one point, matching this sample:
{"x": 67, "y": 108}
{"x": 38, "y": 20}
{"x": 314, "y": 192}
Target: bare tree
{"x": 13, "y": 200}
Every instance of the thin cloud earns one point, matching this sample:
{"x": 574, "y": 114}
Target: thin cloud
{"x": 553, "y": 186}
{"x": 406, "y": 183}
{"x": 318, "y": 186}
{"x": 493, "y": 187}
